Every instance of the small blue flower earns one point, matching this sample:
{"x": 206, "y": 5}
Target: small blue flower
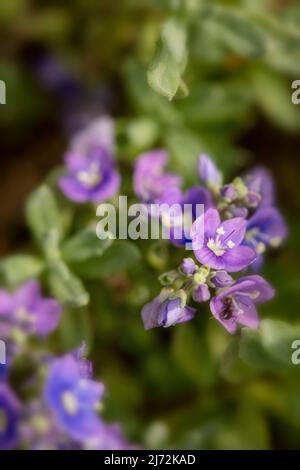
{"x": 221, "y": 279}
{"x": 165, "y": 312}
{"x": 188, "y": 266}
{"x": 27, "y": 310}
{"x": 201, "y": 293}
{"x": 74, "y": 398}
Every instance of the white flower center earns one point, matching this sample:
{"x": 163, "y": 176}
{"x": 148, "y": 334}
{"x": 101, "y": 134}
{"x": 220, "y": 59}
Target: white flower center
{"x": 230, "y": 244}
{"x": 91, "y": 177}
{"x": 70, "y": 402}
{"x": 23, "y": 315}
{"x": 260, "y": 248}
{"x": 216, "y": 247}
{"x": 275, "y": 242}
{"x": 255, "y": 294}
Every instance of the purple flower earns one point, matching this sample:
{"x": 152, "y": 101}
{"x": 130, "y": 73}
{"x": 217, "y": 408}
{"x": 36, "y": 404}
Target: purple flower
{"x": 151, "y": 181}
{"x": 9, "y": 418}
{"x": 236, "y": 305}
{"x": 218, "y": 244}
{"x": 73, "y": 398}
{"x": 192, "y": 201}
{"x": 221, "y": 279}
{"x": 188, "y": 266}
{"x": 27, "y": 310}
{"x": 260, "y": 183}
{"x": 201, "y": 293}
{"x": 265, "y": 228}
{"x": 165, "y": 313}
{"x": 91, "y": 177}
{"x": 209, "y": 173}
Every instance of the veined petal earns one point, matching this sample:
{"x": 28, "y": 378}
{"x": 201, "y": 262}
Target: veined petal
{"x": 204, "y": 228}
{"x": 149, "y": 313}
{"x": 233, "y": 232}
{"x": 248, "y": 316}
{"x": 238, "y": 258}
{"x": 256, "y": 285}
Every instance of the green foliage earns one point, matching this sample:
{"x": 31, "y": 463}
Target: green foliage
{"x": 121, "y": 256}
{"x": 44, "y": 219}
{"x": 16, "y": 269}
{"x": 165, "y": 72}
{"x": 84, "y": 245}
{"x": 65, "y": 286}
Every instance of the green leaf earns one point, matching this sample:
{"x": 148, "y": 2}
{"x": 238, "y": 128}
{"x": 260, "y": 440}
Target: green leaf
{"x": 277, "y": 338}
{"x": 84, "y": 245}
{"x": 43, "y": 217}
{"x": 270, "y": 347}
{"x": 146, "y": 100}
{"x": 74, "y": 328}
{"x": 120, "y": 256}
{"x": 282, "y": 41}
{"x": 236, "y": 31}
{"x": 273, "y": 95}
{"x": 18, "y": 268}
{"x": 67, "y": 287}
{"x": 185, "y": 147}
{"x": 217, "y": 105}
{"x": 165, "y": 72}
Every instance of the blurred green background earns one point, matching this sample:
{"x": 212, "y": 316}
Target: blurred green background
{"x": 228, "y": 93}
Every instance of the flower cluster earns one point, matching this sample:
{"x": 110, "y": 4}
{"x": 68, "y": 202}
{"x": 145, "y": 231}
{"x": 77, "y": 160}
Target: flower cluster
{"x": 64, "y": 414}
{"x": 238, "y": 225}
